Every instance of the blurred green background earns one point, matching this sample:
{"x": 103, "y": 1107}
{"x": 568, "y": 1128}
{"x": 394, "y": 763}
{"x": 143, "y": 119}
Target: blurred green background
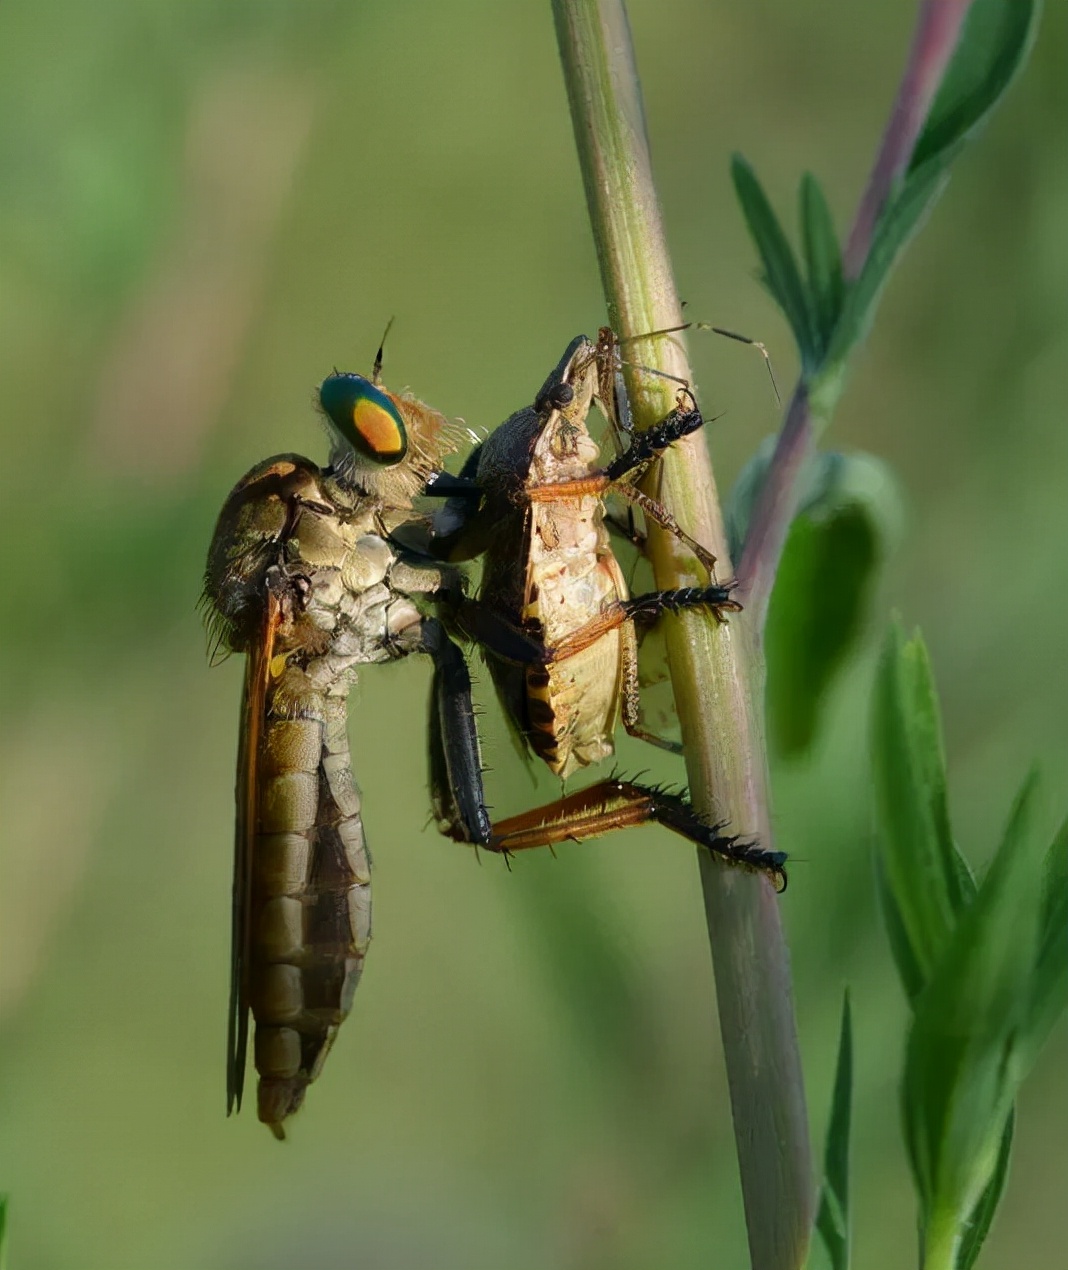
{"x": 205, "y": 206}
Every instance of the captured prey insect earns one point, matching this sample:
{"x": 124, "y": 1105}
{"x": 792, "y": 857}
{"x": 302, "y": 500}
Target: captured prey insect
{"x": 304, "y": 579}
{"x": 530, "y": 501}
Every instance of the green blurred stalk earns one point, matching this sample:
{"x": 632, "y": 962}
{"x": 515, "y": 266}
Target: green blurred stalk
{"x": 717, "y": 670}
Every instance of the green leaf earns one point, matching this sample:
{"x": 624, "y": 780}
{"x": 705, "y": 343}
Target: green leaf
{"x": 921, "y": 868}
{"x": 3, "y": 1231}
{"x": 961, "y": 1068}
{"x": 978, "y": 1225}
{"x": 822, "y": 594}
{"x": 823, "y": 258}
{"x": 848, "y": 523}
{"x": 781, "y": 272}
{"x": 832, "y": 1221}
{"x": 1049, "y": 990}
{"x": 828, "y": 480}
{"x": 909, "y": 970}
{"x": 994, "y": 43}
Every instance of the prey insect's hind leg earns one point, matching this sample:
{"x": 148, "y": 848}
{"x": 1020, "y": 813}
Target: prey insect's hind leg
{"x": 715, "y": 598}
{"x": 620, "y": 804}
{"x": 510, "y": 643}
{"x": 658, "y": 512}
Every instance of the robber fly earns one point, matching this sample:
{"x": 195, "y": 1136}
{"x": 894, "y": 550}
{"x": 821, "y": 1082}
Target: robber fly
{"x": 304, "y": 579}
{"x": 530, "y": 501}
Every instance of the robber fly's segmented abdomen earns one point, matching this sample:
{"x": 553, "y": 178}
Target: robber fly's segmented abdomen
{"x": 311, "y": 896}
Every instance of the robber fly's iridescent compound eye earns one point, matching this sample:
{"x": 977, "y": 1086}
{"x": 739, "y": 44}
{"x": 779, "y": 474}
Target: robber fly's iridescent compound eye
{"x": 365, "y": 417}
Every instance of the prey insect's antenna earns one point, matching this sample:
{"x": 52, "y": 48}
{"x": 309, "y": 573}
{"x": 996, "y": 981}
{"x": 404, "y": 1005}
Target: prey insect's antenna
{"x": 376, "y": 370}
{"x": 716, "y": 330}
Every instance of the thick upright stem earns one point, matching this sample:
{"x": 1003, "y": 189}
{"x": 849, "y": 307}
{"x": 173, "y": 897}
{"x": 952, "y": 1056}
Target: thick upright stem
{"x": 716, "y": 671}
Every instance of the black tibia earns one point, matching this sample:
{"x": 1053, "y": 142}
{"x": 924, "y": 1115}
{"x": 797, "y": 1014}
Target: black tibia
{"x": 619, "y": 804}
{"x": 456, "y": 789}
{"x": 647, "y": 445}
{"x": 458, "y": 530}
{"x": 650, "y": 605}
{"x": 445, "y": 485}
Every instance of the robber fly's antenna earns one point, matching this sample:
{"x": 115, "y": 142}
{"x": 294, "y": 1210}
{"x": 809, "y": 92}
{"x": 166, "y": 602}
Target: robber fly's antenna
{"x": 716, "y": 330}
{"x": 376, "y": 370}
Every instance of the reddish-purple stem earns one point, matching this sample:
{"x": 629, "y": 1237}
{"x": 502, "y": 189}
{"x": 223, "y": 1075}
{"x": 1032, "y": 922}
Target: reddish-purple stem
{"x": 937, "y": 33}
{"x": 767, "y": 531}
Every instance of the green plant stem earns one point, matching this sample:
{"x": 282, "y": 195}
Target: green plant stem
{"x": 941, "y": 1240}
{"x": 717, "y": 673}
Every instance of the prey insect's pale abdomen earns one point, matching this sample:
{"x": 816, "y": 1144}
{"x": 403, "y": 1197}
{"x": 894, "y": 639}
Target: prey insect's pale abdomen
{"x": 573, "y": 703}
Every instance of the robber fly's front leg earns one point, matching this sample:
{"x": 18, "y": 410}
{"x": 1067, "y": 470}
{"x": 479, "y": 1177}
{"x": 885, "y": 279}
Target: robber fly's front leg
{"x": 457, "y": 793}
{"x": 456, "y": 787}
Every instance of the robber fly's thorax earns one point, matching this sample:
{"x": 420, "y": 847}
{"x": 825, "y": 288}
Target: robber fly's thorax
{"x": 345, "y": 564}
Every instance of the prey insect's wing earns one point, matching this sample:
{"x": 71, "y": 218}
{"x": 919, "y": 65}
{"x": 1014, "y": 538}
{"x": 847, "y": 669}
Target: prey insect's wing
{"x": 253, "y": 710}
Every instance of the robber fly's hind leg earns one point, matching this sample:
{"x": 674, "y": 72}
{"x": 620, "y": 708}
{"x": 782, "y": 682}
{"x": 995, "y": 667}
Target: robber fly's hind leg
{"x": 620, "y": 804}
{"x": 456, "y": 790}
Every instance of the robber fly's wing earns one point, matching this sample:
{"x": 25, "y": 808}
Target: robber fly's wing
{"x": 253, "y": 710}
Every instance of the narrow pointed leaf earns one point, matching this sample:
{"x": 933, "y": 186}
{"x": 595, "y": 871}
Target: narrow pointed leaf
{"x": 781, "y": 272}
{"x": 961, "y": 1069}
{"x": 919, "y": 861}
{"x": 909, "y": 970}
{"x": 1049, "y": 991}
{"x": 823, "y": 258}
{"x": 978, "y": 1225}
{"x": 832, "y": 1221}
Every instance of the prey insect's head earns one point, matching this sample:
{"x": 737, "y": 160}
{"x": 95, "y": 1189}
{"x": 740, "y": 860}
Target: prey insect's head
{"x": 365, "y": 418}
